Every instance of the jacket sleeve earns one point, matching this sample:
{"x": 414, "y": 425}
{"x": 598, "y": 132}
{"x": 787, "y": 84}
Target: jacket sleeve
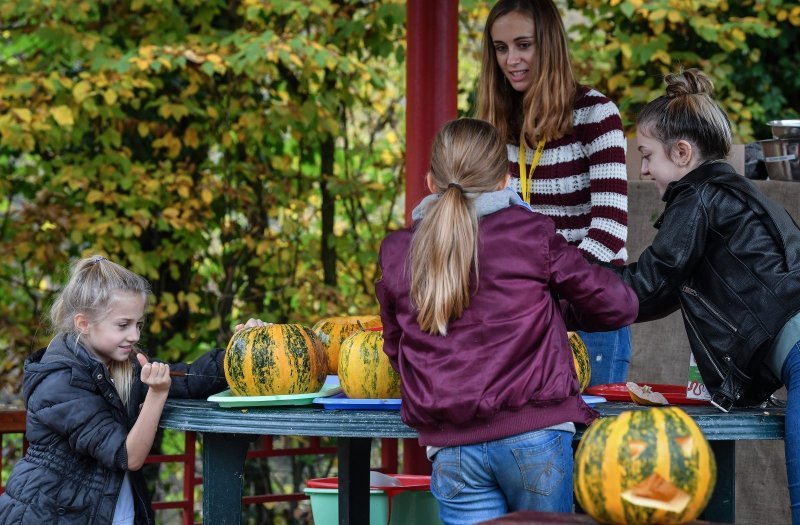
{"x": 596, "y": 298}
{"x": 391, "y": 329}
{"x": 671, "y": 258}
{"x": 210, "y": 368}
{"x": 74, "y": 409}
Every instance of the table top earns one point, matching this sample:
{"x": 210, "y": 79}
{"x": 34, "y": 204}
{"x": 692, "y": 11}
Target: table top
{"x": 311, "y": 420}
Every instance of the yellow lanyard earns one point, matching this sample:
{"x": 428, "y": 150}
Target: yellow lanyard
{"x": 526, "y": 179}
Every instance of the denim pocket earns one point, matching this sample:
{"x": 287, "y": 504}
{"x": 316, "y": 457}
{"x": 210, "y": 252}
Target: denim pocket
{"x": 541, "y": 465}
{"x": 446, "y": 479}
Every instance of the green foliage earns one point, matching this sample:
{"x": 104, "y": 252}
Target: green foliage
{"x": 197, "y": 143}
{"x": 624, "y": 47}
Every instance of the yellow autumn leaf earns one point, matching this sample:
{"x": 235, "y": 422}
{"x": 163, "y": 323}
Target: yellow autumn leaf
{"x": 143, "y": 129}
{"x": 675, "y": 17}
{"x": 662, "y": 56}
{"x": 206, "y": 196}
{"x": 191, "y": 56}
{"x": 183, "y": 191}
{"x": 110, "y": 96}
{"x": 62, "y": 115}
{"x": 190, "y": 138}
{"x": 23, "y": 114}
{"x": 95, "y": 196}
{"x": 214, "y": 59}
{"x": 81, "y": 90}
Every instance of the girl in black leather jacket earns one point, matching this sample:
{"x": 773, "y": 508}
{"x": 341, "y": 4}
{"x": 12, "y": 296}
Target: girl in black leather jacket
{"x": 724, "y": 254}
{"x": 93, "y": 408}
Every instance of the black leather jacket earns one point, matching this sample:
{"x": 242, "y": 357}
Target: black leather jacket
{"x": 76, "y": 425}
{"x": 729, "y": 258}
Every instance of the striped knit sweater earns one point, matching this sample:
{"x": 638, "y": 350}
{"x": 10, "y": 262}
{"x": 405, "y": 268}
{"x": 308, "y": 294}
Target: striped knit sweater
{"x": 581, "y": 181}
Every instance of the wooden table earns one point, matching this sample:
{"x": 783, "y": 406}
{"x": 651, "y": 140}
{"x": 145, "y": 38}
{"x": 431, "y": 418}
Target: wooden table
{"x": 227, "y": 433}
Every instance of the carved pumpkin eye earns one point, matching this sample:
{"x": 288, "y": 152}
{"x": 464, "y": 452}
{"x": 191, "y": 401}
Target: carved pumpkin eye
{"x": 686, "y": 444}
{"x": 636, "y": 447}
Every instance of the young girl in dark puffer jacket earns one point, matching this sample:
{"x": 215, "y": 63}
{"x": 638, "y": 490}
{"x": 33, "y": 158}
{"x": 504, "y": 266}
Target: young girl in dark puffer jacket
{"x": 93, "y": 405}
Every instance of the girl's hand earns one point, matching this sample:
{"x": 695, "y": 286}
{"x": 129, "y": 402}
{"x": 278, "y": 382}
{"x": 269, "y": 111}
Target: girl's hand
{"x": 154, "y": 375}
{"x": 250, "y": 324}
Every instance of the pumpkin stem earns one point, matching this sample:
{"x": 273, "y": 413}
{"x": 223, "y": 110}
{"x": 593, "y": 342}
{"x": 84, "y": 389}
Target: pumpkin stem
{"x": 361, "y": 326}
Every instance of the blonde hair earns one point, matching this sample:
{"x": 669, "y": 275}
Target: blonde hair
{"x": 548, "y": 103}
{"x": 468, "y": 157}
{"x": 689, "y": 112}
{"x": 90, "y": 291}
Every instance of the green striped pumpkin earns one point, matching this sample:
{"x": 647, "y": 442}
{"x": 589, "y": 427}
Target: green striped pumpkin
{"x": 651, "y": 466}
{"x": 364, "y": 369}
{"x": 332, "y": 331}
{"x": 581, "y": 358}
{"x": 276, "y": 359}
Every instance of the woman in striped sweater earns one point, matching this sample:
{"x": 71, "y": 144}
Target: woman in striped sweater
{"x": 571, "y": 139}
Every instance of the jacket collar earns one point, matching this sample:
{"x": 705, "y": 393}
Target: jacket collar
{"x": 700, "y": 175}
{"x": 484, "y": 203}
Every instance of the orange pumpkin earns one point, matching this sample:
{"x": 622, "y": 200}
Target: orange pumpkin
{"x": 333, "y": 330}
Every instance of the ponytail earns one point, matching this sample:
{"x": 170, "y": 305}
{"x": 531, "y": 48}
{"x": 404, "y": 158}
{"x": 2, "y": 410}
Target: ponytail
{"x": 468, "y": 158}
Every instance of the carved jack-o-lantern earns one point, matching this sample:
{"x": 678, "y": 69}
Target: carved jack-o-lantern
{"x": 650, "y": 466}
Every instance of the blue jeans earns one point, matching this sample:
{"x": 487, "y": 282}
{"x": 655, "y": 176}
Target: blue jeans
{"x": 791, "y": 378}
{"x": 609, "y": 355}
{"x": 479, "y": 482}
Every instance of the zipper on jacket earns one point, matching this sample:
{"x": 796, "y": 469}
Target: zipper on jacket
{"x": 706, "y": 351}
{"x": 710, "y": 307}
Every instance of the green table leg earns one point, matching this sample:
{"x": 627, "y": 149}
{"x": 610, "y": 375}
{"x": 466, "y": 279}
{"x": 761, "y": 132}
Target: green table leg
{"x": 722, "y": 506}
{"x": 223, "y": 472}
{"x": 354, "y": 480}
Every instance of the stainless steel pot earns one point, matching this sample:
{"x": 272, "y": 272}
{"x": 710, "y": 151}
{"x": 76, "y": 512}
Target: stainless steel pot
{"x": 782, "y": 157}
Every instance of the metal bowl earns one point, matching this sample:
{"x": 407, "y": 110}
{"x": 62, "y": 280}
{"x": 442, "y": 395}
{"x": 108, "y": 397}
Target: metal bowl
{"x": 785, "y": 129}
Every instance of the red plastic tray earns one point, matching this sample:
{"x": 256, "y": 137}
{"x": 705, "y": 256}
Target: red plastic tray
{"x": 675, "y": 394}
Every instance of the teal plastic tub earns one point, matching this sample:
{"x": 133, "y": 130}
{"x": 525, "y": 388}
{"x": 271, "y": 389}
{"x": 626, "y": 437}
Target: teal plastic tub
{"x": 410, "y": 503}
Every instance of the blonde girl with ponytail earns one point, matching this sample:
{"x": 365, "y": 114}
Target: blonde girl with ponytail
{"x": 471, "y": 302}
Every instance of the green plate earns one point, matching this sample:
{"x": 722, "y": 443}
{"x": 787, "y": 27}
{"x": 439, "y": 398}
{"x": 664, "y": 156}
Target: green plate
{"x": 227, "y": 399}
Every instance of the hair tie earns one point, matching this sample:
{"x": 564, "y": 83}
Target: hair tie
{"x": 97, "y": 259}
{"x": 455, "y": 185}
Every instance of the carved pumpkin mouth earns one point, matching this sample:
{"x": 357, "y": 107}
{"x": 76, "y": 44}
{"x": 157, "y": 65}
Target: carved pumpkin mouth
{"x": 658, "y": 493}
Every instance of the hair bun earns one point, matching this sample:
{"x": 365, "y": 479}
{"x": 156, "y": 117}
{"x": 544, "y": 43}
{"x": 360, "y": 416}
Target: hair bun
{"x": 688, "y": 82}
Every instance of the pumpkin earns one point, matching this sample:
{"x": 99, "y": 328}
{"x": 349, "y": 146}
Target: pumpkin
{"x": 649, "y": 466}
{"x": 364, "y": 369}
{"x": 581, "y": 358}
{"x": 333, "y": 330}
{"x": 276, "y": 359}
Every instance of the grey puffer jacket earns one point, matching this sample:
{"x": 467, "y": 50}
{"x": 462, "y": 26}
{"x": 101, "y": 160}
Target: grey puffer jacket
{"x": 76, "y": 427}
{"x": 729, "y": 258}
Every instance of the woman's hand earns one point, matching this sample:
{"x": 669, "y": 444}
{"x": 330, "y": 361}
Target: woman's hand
{"x": 154, "y": 375}
{"x": 250, "y": 324}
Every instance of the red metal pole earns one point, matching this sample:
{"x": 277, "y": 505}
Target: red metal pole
{"x": 431, "y": 93}
{"x": 431, "y": 85}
